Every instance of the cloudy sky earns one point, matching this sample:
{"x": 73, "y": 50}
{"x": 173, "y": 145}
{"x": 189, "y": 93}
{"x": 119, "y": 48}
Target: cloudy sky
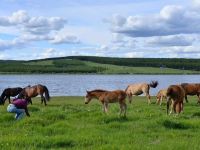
{"x": 35, "y": 29}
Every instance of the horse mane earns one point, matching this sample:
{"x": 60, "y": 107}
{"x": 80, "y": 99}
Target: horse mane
{"x": 98, "y": 90}
{"x": 183, "y": 84}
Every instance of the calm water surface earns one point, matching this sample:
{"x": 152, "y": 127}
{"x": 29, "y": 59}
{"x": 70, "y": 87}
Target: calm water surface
{"x": 76, "y": 85}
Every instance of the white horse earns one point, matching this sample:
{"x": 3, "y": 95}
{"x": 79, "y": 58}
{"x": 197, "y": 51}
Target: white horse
{"x": 140, "y": 88}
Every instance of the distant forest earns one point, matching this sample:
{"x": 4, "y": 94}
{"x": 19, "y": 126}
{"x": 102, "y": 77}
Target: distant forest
{"x": 85, "y": 64}
{"x": 175, "y": 63}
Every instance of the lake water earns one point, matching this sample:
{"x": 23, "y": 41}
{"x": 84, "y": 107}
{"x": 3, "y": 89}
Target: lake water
{"x": 76, "y": 85}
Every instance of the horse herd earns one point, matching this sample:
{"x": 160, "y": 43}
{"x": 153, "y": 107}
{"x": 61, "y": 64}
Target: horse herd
{"x": 26, "y": 93}
{"x": 174, "y": 94}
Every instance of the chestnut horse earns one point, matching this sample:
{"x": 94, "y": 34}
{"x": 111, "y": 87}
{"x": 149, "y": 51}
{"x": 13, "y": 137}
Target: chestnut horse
{"x": 161, "y": 95}
{"x": 175, "y": 95}
{"x": 8, "y": 92}
{"x": 191, "y": 89}
{"x": 33, "y": 91}
{"x": 139, "y": 88}
{"x": 106, "y": 97}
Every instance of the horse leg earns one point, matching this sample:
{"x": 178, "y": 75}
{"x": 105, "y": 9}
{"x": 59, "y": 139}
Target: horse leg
{"x": 158, "y": 100}
{"x": 4, "y": 100}
{"x": 182, "y": 106}
{"x": 43, "y": 99}
{"x": 198, "y": 102}
{"x": 106, "y": 107}
{"x": 161, "y": 99}
{"x": 148, "y": 98}
{"x": 186, "y": 99}
{"x": 130, "y": 98}
{"x": 121, "y": 108}
{"x": 172, "y": 106}
{"x": 175, "y": 106}
{"x": 103, "y": 108}
{"x": 9, "y": 99}
{"x": 125, "y": 107}
{"x": 30, "y": 101}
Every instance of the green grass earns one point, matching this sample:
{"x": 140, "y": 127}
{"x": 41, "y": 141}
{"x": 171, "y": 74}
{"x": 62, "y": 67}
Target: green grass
{"x": 67, "y": 123}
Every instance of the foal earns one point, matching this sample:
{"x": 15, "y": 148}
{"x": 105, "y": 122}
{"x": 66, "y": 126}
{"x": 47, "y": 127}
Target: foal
{"x": 106, "y": 97}
{"x": 175, "y": 95}
{"x": 160, "y": 95}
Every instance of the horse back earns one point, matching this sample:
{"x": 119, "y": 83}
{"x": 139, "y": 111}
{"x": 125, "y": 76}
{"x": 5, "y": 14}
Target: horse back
{"x": 191, "y": 89}
{"x": 137, "y": 88}
{"x": 176, "y": 92}
{"x": 114, "y": 96}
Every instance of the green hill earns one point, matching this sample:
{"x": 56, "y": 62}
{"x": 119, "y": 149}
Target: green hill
{"x": 102, "y": 65}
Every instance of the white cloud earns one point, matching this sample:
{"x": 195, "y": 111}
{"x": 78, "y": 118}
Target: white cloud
{"x": 35, "y": 29}
{"x": 174, "y": 40}
{"x": 134, "y": 54}
{"x": 50, "y": 52}
{"x": 196, "y": 3}
{"x": 171, "y": 20}
{"x": 4, "y": 44}
{"x": 43, "y": 25}
{"x": 34, "y": 25}
{"x": 16, "y": 18}
{"x": 61, "y": 39}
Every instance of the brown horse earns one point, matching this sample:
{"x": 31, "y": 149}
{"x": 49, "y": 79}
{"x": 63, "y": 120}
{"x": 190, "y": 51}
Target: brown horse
{"x": 161, "y": 95}
{"x": 175, "y": 96}
{"x": 106, "y": 97}
{"x": 9, "y": 92}
{"x": 191, "y": 89}
{"x": 33, "y": 91}
{"x": 139, "y": 88}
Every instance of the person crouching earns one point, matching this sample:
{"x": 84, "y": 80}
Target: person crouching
{"x": 19, "y": 106}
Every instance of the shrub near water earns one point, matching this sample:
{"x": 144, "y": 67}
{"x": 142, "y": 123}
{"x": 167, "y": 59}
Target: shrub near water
{"x": 66, "y": 122}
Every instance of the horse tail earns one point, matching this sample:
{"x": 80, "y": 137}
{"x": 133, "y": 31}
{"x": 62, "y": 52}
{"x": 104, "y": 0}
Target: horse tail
{"x": 153, "y": 84}
{"x": 46, "y": 91}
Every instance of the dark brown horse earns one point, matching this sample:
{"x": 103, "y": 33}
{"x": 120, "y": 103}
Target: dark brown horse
{"x": 9, "y": 92}
{"x": 106, "y": 97}
{"x": 191, "y": 89}
{"x": 33, "y": 91}
{"x": 175, "y": 96}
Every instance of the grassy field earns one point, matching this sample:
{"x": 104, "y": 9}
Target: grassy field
{"x": 67, "y": 123}
{"x": 82, "y": 67}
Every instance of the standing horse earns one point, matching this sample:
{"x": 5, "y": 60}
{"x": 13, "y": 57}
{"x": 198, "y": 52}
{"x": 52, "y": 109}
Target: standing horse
{"x": 33, "y": 91}
{"x": 161, "y": 95}
{"x": 139, "y": 88}
{"x": 8, "y": 92}
{"x": 175, "y": 95}
{"x": 106, "y": 97}
{"x": 191, "y": 89}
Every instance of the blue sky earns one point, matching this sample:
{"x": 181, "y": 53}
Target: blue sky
{"x": 34, "y": 29}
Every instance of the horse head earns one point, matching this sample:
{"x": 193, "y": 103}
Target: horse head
{"x": 88, "y": 97}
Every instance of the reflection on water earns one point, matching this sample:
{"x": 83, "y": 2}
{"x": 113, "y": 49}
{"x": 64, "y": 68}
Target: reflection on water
{"x": 76, "y": 85}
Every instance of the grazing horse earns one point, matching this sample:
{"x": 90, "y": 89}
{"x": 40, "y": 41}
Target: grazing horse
{"x": 191, "y": 89}
{"x": 106, "y": 97}
{"x": 175, "y": 96}
{"x": 33, "y": 91}
{"x": 160, "y": 95}
{"x": 139, "y": 88}
{"x": 8, "y": 92}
